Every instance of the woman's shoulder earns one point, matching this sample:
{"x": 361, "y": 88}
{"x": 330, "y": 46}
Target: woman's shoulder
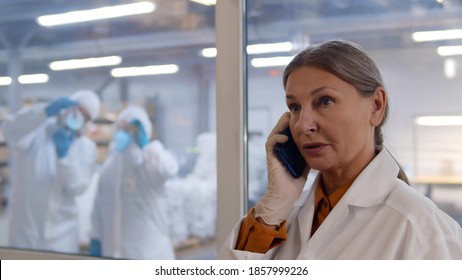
{"x": 406, "y": 198}
{"x": 422, "y": 214}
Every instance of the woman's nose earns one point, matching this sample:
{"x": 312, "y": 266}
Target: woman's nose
{"x": 306, "y": 122}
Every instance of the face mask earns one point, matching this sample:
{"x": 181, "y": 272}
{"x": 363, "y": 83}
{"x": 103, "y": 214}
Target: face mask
{"x": 74, "y": 120}
{"x": 122, "y": 140}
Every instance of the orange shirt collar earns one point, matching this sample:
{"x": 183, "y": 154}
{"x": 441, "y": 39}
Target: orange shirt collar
{"x": 334, "y": 197}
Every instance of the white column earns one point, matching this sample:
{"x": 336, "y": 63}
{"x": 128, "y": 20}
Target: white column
{"x": 231, "y": 199}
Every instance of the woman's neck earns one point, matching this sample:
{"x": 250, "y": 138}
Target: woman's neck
{"x": 335, "y": 179}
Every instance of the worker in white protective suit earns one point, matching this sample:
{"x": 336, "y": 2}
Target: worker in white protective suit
{"x": 360, "y": 206}
{"x": 130, "y": 210}
{"x": 52, "y": 162}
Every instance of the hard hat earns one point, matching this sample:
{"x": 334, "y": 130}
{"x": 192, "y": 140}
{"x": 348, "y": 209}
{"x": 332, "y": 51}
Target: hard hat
{"x": 133, "y": 112}
{"x": 89, "y": 101}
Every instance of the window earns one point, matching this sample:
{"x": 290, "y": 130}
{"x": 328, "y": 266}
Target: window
{"x": 165, "y": 35}
{"x": 421, "y": 80}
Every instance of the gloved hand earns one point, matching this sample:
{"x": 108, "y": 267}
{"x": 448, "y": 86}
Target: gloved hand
{"x": 63, "y": 139}
{"x": 283, "y": 190}
{"x": 95, "y": 248}
{"x": 140, "y": 137}
{"x": 53, "y": 108}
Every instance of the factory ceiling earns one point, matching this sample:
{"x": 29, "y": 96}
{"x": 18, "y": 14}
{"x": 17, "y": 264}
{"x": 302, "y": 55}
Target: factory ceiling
{"x": 178, "y": 28}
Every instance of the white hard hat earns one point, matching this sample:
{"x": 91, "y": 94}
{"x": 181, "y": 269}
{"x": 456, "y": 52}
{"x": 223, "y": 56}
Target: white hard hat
{"x": 89, "y": 101}
{"x": 133, "y": 112}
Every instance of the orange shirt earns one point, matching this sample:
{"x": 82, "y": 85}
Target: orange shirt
{"x": 255, "y": 237}
{"x": 324, "y": 204}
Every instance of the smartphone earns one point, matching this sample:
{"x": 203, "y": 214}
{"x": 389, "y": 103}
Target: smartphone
{"x": 290, "y": 156}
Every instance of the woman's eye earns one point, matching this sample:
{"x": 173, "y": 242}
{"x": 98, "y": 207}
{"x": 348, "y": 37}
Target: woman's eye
{"x": 294, "y": 108}
{"x": 325, "y": 101}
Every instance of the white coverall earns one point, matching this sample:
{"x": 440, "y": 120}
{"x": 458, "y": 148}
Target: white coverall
{"x": 130, "y": 211}
{"x": 379, "y": 217}
{"x": 43, "y": 213}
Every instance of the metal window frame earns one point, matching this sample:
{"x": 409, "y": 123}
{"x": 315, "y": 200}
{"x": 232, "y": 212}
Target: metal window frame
{"x": 231, "y": 130}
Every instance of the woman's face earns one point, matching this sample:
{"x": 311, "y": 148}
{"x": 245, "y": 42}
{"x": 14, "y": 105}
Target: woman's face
{"x": 330, "y": 121}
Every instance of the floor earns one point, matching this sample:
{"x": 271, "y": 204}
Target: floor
{"x": 205, "y": 250}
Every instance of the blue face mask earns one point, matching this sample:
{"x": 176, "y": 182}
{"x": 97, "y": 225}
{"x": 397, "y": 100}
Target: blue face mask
{"x": 122, "y": 140}
{"x": 74, "y": 120}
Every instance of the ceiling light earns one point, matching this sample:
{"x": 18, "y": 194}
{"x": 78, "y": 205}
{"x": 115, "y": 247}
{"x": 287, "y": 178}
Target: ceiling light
{"x": 33, "y": 79}
{"x": 209, "y": 52}
{"x": 205, "y": 2}
{"x": 438, "y": 120}
{"x": 269, "y": 48}
{"x": 255, "y": 49}
{"x": 5, "y": 81}
{"x": 424, "y": 36}
{"x": 145, "y": 70}
{"x": 450, "y": 68}
{"x": 449, "y": 50}
{"x": 85, "y": 63}
{"x": 97, "y": 14}
{"x": 271, "y": 61}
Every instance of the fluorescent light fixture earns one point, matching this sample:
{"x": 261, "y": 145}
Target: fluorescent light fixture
{"x": 271, "y": 61}
{"x": 209, "y": 52}
{"x": 450, "y": 68}
{"x": 269, "y": 48}
{"x": 97, "y": 14}
{"x": 438, "y": 120}
{"x": 5, "y": 81}
{"x": 85, "y": 63}
{"x": 255, "y": 49}
{"x": 205, "y": 2}
{"x": 145, "y": 70}
{"x": 449, "y": 50}
{"x": 425, "y": 36}
{"x": 33, "y": 79}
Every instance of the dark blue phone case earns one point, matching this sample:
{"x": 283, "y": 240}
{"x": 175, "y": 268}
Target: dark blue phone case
{"x": 290, "y": 156}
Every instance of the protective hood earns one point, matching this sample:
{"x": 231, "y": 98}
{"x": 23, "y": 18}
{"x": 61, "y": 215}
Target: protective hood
{"x": 136, "y": 113}
{"x": 89, "y": 101}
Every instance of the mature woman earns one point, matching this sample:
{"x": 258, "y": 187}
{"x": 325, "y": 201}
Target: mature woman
{"x": 360, "y": 206}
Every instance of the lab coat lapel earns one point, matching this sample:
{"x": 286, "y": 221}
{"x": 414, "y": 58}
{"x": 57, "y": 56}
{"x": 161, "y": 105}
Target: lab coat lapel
{"x": 328, "y": 228}
{"x": 305, "y": 214}
{"x": 374, "y": 183}
{"x": 299, "y": 219}
{"x": 360, "y": 194}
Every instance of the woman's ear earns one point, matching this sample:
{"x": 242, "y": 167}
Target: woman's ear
{"x": 379, "y": 103}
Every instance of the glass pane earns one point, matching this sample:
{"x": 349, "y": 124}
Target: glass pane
{"x": 420, "y": 80}
{"x": 152, "y": 191}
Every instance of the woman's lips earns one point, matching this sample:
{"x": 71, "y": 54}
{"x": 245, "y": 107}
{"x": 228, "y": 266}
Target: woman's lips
{"x": 314, "y": 148}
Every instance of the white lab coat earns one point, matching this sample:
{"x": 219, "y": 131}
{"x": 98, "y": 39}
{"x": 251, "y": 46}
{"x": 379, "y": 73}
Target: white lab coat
{"x": 130, "y": 211}
{"x": 379, "y": 217}
{"x": 43, "y": 213}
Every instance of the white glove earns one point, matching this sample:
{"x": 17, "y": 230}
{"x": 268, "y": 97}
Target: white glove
{"x": 283, "y": 190}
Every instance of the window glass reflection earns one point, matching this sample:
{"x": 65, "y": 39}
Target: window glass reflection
{"x": 421, "y": 78}
{"x": 127, "y": 172}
